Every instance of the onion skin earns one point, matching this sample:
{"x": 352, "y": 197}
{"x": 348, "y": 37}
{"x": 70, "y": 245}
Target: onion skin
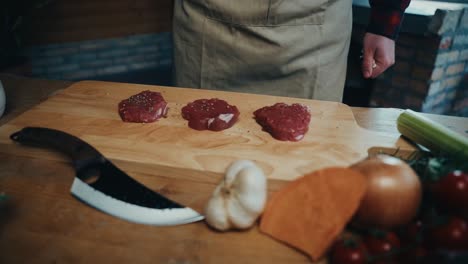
{"x": 393, "y": 194}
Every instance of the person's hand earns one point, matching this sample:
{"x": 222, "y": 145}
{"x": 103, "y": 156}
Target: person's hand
{"x": 378, "y": 55}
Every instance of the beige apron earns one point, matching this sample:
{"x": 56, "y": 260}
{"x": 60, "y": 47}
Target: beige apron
{"x": 295, "y": 48}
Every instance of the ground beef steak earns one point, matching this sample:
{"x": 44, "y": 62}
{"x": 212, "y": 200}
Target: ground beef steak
{"x": 284, "y": 122}
{"x": 210, "y": 114}
{"x": 145, "y": 107}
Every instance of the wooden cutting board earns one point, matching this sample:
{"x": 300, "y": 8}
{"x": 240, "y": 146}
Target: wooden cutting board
{"x": 89, "y": 110}
{"x": 185, "y": 165}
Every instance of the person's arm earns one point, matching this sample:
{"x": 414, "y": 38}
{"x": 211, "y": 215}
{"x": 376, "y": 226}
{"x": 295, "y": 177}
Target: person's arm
{"x": 379, "y": 41}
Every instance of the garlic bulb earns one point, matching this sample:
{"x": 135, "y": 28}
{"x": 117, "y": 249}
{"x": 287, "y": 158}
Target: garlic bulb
{"x": 239, "y": 199}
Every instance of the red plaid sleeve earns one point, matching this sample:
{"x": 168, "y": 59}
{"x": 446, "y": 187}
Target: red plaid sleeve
{"x": 386, "y": 17}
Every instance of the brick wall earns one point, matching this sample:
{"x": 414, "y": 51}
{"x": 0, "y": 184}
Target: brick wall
{"x": 448, "y": 90}
{"x": 405, "y": 85}
{"x": 431, "y": 69}
{"x": 94, "y": 58}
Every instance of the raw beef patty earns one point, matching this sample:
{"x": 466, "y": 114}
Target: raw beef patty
{"x": 210, "y": 114}
{"x": 145, "y": 107}
{"x": 284, "y": 122}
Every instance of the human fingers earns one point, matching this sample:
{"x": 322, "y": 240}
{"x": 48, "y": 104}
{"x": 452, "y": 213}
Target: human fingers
{"x": 368, "y": 62}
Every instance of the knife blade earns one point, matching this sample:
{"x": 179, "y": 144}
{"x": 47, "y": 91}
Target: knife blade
{"x": 101, "y": 184}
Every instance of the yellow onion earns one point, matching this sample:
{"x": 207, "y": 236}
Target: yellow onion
{"x": 393, "y": 193}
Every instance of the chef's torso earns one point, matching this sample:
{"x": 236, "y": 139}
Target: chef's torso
{"x": 294, "y": 48}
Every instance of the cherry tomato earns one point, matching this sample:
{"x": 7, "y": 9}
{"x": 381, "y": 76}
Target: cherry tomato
{"x": 451, "y": 235}
{"x": 452, "y": 190}
{"x": 382, "y": 244}
{"x": 346, "y": 251}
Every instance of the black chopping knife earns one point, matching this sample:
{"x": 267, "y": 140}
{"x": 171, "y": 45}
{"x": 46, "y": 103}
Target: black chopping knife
{"x": 102, "y": 185}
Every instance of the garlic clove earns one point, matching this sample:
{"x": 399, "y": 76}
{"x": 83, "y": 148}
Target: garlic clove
{"x": 216, "y": 213}
{"x": 235, "y": 168}
{"x": 250, "y": 185}
{"x": 238, "y": 215}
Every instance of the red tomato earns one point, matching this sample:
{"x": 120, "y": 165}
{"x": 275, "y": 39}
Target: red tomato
{"x": 452, "y": 190}
{"x": 452, "y": 235}
{"x": 348, "y": 251}
{"x": 382, "y": 244}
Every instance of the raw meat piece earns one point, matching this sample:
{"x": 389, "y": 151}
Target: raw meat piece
{"x": 145, "y": 107}
{"x": 284, "y": 122}
{"x": 210, "y": 114}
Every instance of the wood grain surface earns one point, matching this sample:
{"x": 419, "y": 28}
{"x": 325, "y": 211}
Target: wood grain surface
{"x": 89, "y": 110}
{"x": 41, "y": 222}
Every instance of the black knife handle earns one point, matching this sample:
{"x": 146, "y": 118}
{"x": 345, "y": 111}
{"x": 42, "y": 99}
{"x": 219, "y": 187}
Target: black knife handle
{"x": 81, "y": 152}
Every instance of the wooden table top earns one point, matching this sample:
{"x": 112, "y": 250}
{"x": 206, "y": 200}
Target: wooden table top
{"x": 42, "y": 222}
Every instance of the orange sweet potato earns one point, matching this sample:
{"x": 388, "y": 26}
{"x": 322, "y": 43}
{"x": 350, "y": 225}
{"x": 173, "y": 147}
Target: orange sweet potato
{"x": 310, "y": 212}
